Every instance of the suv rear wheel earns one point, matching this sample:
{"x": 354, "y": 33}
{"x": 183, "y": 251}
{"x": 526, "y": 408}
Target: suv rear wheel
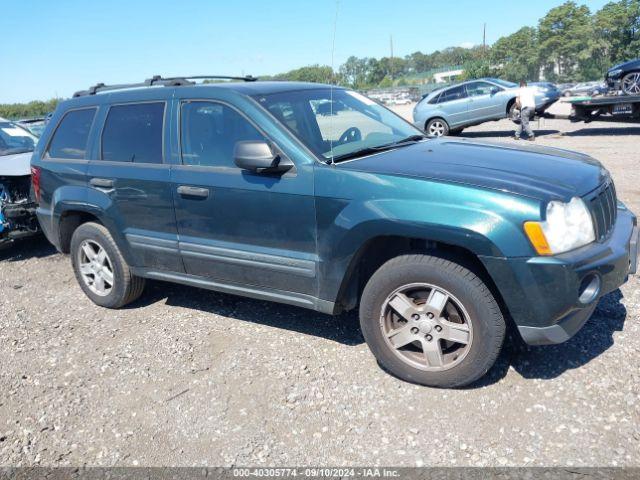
{"x": 437, "y": 127}
{"x": 430, "y": 321}
{"x": 100, "y": 269}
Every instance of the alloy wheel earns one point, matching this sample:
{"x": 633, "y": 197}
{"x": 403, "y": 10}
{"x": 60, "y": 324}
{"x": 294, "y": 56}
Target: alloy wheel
{"x": 95, "y": 268}
{"x": 426, "y": 327}
{"x": 436, "y": 128}
{"x": 631, "y": 83}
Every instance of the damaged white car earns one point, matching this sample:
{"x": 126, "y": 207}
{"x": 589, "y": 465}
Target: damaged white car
{"x": 17, "y": 208}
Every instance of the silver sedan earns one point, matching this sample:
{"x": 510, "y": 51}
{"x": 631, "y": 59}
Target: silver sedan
{"x": 450, "y": 110}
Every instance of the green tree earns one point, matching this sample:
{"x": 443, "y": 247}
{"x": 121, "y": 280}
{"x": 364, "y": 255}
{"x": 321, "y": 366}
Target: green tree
{"x": 313, "y": 73}
{"x": 618, "y": 28}
{"x": 33, "y": 109}
{"x": 567, "y": 42}
{"x": 354, "y": 72}
{"x": 516, "y": 56}
{"x": 418, "y": 62}
{"x": 477, "y": 69}
{"x": 386, "y": 82}
{"x": 375, "y": 71}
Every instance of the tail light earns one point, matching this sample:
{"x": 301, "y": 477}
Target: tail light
{"x": 35, "y": 182}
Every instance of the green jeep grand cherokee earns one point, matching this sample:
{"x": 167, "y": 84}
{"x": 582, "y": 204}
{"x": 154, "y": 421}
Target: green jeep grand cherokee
{"x": 316, "y": 196}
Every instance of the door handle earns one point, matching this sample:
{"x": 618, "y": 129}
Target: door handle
{"x": 101, "y": 182}
{"x": 189, "y": 191}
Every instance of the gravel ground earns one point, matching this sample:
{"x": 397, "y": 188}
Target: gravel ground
{"x": 190, "y": 377}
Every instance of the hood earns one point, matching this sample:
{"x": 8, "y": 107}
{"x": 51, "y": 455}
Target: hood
{"x": 15, "y": 165}
{"x": 624, "y": 66}
{"x": 538, "y": 172}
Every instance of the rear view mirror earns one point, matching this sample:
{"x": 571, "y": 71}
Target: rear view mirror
{"x": 258, "y": 157}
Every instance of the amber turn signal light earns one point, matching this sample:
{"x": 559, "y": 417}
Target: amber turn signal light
{"x": 537, "y": 238}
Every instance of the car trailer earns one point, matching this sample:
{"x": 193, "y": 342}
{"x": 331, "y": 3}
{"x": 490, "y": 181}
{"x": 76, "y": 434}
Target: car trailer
{"x": 618, "y": 108}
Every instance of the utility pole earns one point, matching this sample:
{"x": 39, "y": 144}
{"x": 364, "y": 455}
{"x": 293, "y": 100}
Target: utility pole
{"x": 391, "y": 59}
{"x": 484, "y": 39}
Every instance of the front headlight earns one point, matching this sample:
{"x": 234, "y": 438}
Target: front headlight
{"x": 568, "y": 226}
{"x": 615, "y": 73}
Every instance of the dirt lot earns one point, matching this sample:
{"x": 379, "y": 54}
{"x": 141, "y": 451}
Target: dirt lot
{"x": 191, "y": 377}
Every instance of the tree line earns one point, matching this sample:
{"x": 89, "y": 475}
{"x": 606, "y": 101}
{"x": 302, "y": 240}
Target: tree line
{"x": 570, "y": 43}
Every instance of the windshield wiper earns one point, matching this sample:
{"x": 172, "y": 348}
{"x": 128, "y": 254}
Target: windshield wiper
{"x": 356, "y": 153}
{"x": 401, "y": 143}
{"x": 379, "y": 148}
{"x": 15, "y": 151}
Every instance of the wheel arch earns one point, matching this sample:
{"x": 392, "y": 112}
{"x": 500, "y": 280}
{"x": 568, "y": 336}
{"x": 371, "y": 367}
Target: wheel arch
{"x": 436, "y": 117}
{"x": 69, "y": 216}
{"x": 69, "y": 221}
{"x": 376, "y": 251}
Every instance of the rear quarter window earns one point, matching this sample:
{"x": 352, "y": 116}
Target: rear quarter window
{"x": 435, "y": 99}
{"x": 133, "y": 133}
{"x": 72, "y": 134}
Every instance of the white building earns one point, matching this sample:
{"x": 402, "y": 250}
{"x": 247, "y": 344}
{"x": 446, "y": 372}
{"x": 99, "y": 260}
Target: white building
{"x": 447, "y": 77}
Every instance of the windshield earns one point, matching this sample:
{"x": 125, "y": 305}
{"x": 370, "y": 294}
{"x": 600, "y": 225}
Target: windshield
{"x": 35, "y": 128}
{"x": 339, "y": 124}
{"x": 15, "y": 139}
{"x": 504, "y": 83}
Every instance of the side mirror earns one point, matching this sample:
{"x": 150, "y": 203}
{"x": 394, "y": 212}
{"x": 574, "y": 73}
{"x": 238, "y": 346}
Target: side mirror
{"x": 257, "y": 156}
{"x": 494, "y": 90}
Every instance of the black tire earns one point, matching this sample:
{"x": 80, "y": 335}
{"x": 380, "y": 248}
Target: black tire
{"x": 635, "y": 84}
{"x": 436, "y": 127}
{"x": 488, "y": 324}
{"x": 126, "y": 287}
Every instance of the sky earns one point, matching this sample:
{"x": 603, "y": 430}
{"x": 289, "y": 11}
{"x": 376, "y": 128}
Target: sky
{"x": 51, "y": 48}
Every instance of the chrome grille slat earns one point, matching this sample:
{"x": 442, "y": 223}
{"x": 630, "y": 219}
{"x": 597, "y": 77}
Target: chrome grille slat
{"x": 612, "y": 204}
{"x": 604, "y": 210}
{"x": 604, "y": 201}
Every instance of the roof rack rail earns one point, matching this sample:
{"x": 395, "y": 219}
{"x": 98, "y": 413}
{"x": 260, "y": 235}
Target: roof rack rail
{"x": 246, "y": 78}
{"x": 159, "y": 81}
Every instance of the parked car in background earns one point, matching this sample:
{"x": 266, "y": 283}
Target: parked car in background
{"x": 17, "y": 209}
{"x": 580, "y": 89}
{"x": 400, "y": 101}
{"x": 601, "y": 89}
{"x": 392, "y": 98}
{"x": 450, "y": 110}
{"x": 565, "y": 86}
{"x": 549, "y": 92}
{"x": 243, "y": 188}
{"x": 34, "y": 125}
{"x": 625, "y": 77}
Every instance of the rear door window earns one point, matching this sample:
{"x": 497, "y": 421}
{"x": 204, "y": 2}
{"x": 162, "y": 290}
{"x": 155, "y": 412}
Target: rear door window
{"x": 133, "y": 133}
{"x": 71, "y": 136}
{"x": 456, "y": 93}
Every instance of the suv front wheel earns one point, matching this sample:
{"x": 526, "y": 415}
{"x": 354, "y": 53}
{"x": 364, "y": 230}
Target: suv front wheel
{"x": 430, "y": 321}
{"x": 631, "y": 83}
{"x": 100, "y": 269}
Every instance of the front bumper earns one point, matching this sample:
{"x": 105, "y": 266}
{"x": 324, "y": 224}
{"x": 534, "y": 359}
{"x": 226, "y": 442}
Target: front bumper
{"x": 546, "y": 295}
{"x": 545, "y": 102}
{"x": 613, "y": 82}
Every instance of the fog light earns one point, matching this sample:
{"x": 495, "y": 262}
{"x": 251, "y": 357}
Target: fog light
{"x": 589, "y": 289}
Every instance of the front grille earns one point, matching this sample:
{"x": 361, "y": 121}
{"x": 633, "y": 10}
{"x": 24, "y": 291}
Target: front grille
{"x": 604, "y": 210}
